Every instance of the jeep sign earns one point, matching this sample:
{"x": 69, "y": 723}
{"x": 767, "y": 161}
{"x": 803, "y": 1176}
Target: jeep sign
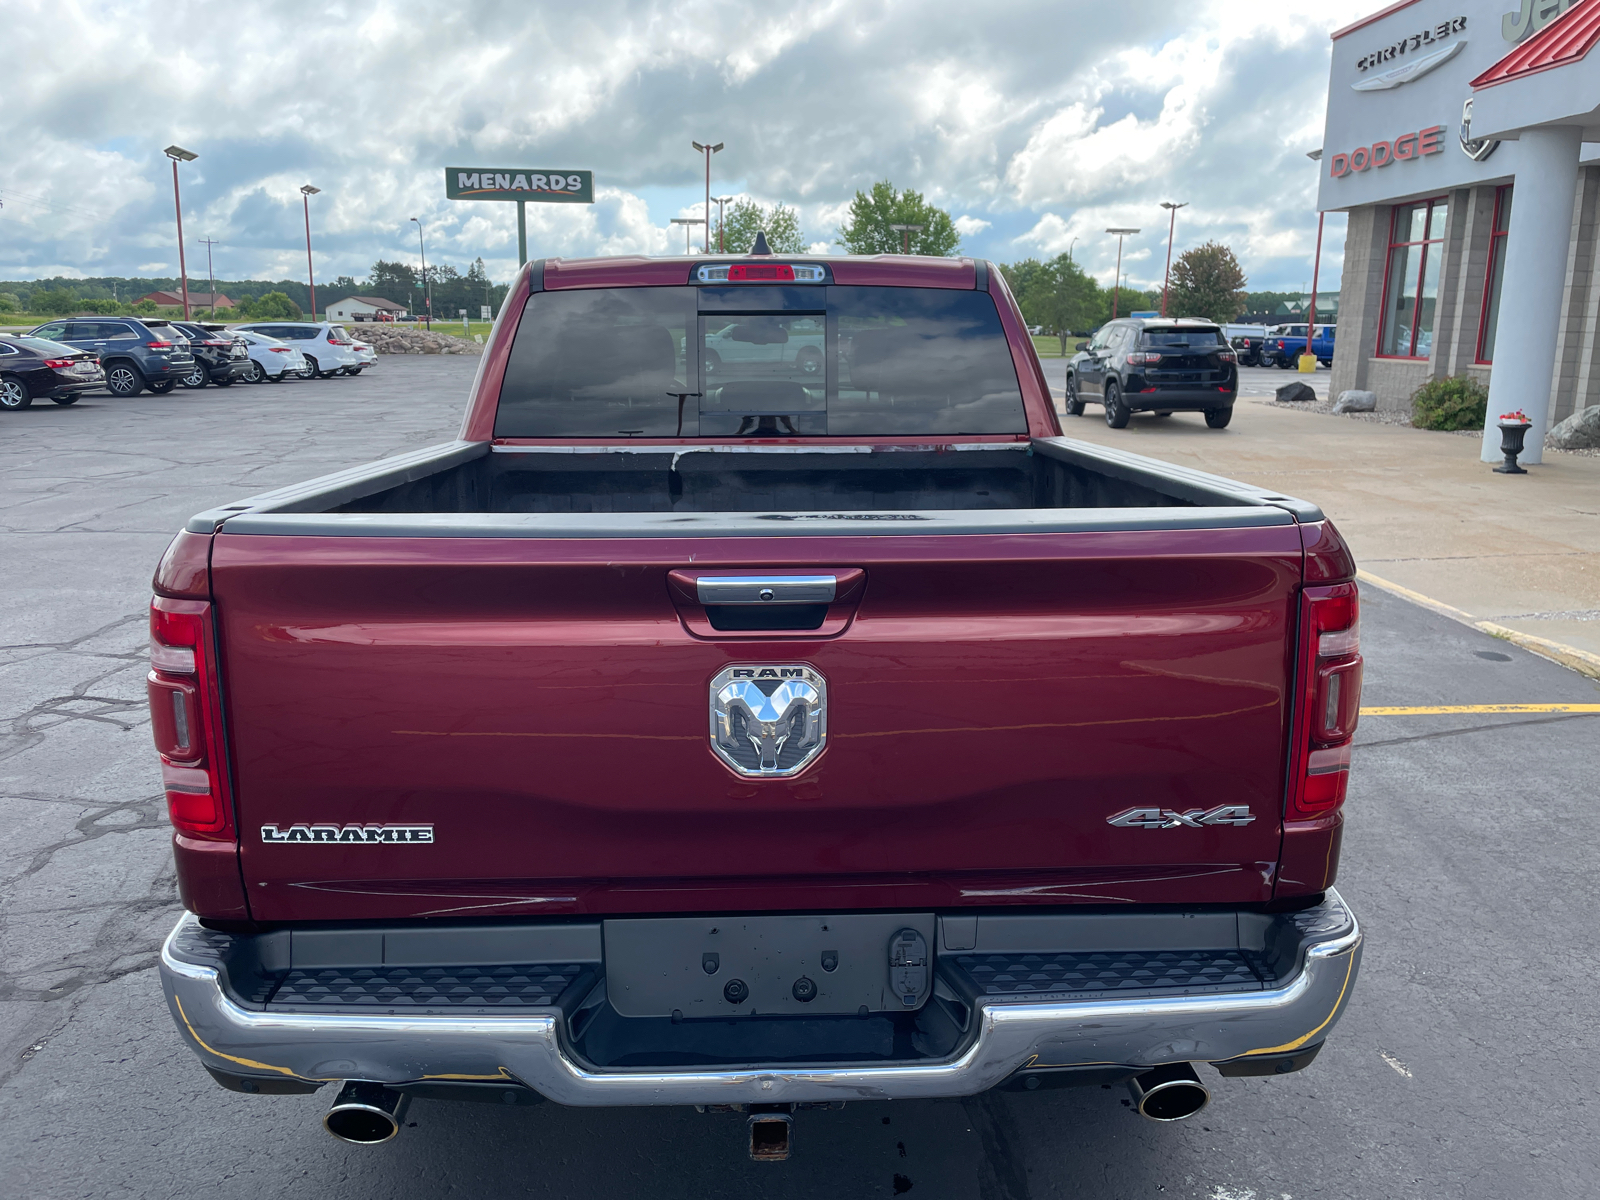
{"x": 519, "y": 183}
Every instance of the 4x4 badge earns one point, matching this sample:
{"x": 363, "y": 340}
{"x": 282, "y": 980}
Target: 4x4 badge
{"x": 1166, "y": 818}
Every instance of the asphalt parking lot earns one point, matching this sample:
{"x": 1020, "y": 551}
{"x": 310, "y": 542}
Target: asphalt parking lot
{"x": 1464, "y": 1066}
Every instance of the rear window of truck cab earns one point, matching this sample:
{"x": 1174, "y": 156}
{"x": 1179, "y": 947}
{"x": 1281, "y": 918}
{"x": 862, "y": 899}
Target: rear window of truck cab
{"x": 743, "y": 361}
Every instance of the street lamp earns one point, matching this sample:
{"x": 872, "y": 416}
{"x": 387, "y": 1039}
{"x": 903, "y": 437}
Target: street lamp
{"x": 1116, "y": 294}
{"x": 708, "y": 151}
{"x": 306, "y": 193}
{"x": 686, "y": 222}
{"x": 722, "y": 222}
{"x": 178, "y": 154}
{"x": 427, "y": 284}
{"x": 1070, "y": 249}
{"x": 905, "y": 232}
{"x": 1172, "y": 225}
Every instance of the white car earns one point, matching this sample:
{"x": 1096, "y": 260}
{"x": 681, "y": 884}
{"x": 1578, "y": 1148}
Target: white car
{"x": 327, "y": 347}
{"x": 271, "y": 359}
{"x": 369, "y": 357}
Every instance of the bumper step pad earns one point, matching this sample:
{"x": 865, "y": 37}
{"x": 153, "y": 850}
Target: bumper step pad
{"x": 1094, "y": 974}
{"x": 532, "y": 986}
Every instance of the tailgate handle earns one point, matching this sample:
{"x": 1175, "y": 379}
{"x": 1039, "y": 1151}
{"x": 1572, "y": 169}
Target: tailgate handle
{"x": 766, "y": 589}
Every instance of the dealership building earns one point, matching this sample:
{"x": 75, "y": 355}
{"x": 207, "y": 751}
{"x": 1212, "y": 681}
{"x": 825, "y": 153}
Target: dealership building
{"x": 1461, "y": 140}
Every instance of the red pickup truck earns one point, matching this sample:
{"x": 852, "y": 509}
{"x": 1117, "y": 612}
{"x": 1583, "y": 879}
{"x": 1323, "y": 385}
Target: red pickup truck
{"x": 759, "y": 733}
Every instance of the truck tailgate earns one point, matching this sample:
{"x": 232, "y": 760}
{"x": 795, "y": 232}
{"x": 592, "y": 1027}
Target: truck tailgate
{"x": 542, "y": 706}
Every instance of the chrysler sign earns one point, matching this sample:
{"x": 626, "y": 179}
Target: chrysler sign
{"x": 519, "y": 183}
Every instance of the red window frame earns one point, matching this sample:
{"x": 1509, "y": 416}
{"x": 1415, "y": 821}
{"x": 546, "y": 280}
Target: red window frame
{"x": 1422, "y": 266}
{"x": 1490, "y": 276}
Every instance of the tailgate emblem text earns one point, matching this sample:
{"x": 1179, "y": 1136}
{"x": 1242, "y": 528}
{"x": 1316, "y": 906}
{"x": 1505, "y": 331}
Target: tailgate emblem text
{"x": 768, "y": 721}
{"x": 366, "y": 835}
{"x": 1166, "y": 818}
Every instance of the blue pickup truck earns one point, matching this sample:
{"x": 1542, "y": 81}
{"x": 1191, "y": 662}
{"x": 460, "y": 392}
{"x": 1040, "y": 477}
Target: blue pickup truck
{"x": 1285, "y": 344}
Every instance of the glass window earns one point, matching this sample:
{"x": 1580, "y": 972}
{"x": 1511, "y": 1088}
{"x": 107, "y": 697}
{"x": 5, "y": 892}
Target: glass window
{"x": 54, "y": 331}
{"x": 759, "y": 362}
{"x": 1497, "y": 270}
{"x": 43, "y": 346}
{"x": 1182, "y": 337}
{"x": 1411, "y": 285}
{"x": 603, "y": 362}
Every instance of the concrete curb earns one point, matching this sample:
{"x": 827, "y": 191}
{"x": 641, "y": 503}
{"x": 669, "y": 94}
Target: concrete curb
{"x": 1557, "y": 652}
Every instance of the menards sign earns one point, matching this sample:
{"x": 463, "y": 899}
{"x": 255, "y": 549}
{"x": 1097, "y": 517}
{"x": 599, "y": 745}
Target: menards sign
{"x": 519, "y": 183}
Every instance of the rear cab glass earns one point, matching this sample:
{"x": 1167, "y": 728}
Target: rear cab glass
{"x": 743, "y": 361}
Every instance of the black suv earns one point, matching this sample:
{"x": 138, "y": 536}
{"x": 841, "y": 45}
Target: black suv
{"x": 136, "y": 354}
{"x": 219, "y": 357}
{"x": 1160, "y": 366}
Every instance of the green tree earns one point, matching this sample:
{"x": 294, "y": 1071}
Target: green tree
{"x": 746, "y": 218}
{"x": 394, "y": 281}
{"x": 10, "y": 302}
{"x": 866, "y": 229}
{"x": 51, "y": 302}
{"x": 274, "y": 306}
{"x": 1207, "y": 282}
{"x": 148, "y": 307}
{"x": 1058, "y": 295}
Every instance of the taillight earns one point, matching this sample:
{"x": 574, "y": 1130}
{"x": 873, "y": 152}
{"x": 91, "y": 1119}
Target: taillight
{"x": 281, "y": 349}
{"x": 217, "y": 342}
{"x": 1329, "y": 703}
{"x": 159, "y": 345}
{"x": 185, "y": 718}
{"x": 56, "y": 364}
{"x": 1141, "y": 358}
{"x": 1228, "y": 356}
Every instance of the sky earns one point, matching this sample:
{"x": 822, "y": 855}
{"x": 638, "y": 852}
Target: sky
{"x": 1036, "y": 125}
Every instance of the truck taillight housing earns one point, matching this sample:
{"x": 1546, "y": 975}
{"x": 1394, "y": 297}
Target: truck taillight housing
{"x": 186, "y": 718}
{"x": 1329, "y": 703}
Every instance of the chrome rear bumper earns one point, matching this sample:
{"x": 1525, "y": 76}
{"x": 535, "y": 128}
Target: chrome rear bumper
{"x": 529, "y": 1047}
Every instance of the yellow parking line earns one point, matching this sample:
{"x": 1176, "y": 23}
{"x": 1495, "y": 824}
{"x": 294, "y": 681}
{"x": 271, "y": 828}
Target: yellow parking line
{"x": 1443, "y": 710}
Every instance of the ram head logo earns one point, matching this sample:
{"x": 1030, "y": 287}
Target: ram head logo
{"x": 768, "y": 721}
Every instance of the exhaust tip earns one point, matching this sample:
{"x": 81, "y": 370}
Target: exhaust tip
{"x": 365, "y": 1114}
{"x": 1169, "y": 1093}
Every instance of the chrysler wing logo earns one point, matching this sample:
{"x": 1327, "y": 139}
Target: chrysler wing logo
{"x": 1195, "y": 818}
{"x": 768, "y": 721}
{"x": 1406, "y": 72}
{"x": 1477, "y": 149}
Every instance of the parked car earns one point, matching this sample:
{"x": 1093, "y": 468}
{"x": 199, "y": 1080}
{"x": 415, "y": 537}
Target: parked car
{"x": 1246, "y": 341}
{"x": 271, "y": 360}
{"x": 1161, "y": 366}
{"x": 34, "y": 368}
{"x": 327, "y": 348}
{"x": 1286, "y": 343}
{"x": 777, "y": 345}
{"x": 367, "y": 353}
{"x": 219, "y": 357}
{"x": 135, "y": 353}
{"x": 572, "y": 760}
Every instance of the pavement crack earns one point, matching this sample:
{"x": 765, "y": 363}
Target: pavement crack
{"x": 1492, "y": 725}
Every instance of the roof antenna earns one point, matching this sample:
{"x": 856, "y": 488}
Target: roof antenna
{"x": 761, "y": 246}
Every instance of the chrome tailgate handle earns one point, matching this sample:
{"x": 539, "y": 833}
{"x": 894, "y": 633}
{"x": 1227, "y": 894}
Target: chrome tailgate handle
{"x": 766, "y": 589}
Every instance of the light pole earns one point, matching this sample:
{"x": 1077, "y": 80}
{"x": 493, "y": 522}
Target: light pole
{"x": 722, "y": 222}
{"x": 306, "y": 193}
{"x": 686, "y": 222}
{"x": 1172, "y": 225}
{"x": 708, "y": 150}
{"x": 211, "y": 274}
{"x": 178, "y": 154}
{"x": 427, "y": 284}
{"x": 1316, "y": 266}
{"x": 1116, "y": 293}
{"x": 905, "y": 232}
{"x": 1070, "y": 249}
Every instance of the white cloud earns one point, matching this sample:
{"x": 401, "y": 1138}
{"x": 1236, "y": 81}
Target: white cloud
{"x": 1037, "y": 125}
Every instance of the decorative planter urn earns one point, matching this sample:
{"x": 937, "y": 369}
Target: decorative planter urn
{"x": 1512, "y": 434}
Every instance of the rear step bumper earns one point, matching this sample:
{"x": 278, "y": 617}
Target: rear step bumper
{"x": 1008, "y": 1032}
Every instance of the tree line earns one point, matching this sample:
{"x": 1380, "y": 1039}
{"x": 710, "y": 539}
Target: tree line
{"x": 1055, "y": 294}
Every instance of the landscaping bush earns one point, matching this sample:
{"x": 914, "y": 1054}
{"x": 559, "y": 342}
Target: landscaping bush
{"x": 1454, "y": 403}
